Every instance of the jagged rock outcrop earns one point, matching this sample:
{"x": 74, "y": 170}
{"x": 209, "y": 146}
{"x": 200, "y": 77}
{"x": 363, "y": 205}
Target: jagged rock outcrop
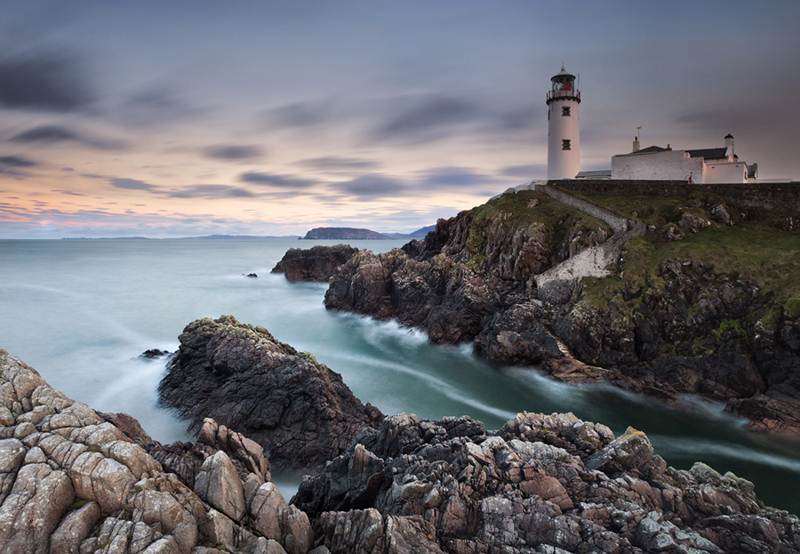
{"x": 679, "y": 327}
{"x": 298, "y": 410}
{"x": 318, "y": 263}
{"x": 468, "y": 269}
{"x": 72, "y": 481}
{"x": 697, "y": 333}
{"x": 545, "y": 484}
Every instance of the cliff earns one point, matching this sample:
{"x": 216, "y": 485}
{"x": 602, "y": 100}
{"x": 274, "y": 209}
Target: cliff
{"x": 705, "y": 302}
{"x": 343, "y": 233}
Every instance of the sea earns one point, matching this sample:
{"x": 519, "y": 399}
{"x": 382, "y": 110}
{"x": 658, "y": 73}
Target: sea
{"x": 81, "y": 312}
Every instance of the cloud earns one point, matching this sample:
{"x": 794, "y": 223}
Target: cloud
{"x": 154, "y": 106}
{"x": 447, "y": 177}
{"x": 524, "y": 118}
{"x": 428, "y": 119}
{"x": 16, "y": 161}
{"x": 51, "y": 82}
{"x": 132, "y": 184}
{"x": 233, "y": 152}
{"x": 336, "y": 163}
{"x": 212, "y": 191}
{"x": 275, "y": 180}
{"x": 54, "y": 134}
{"x": 370, "y": 186}
{"x": 524, "y": 171}
{"x": 300, "y": 114}
{"x": 12, "y": 165}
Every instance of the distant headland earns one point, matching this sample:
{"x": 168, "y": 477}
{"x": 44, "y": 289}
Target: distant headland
{"x": 348, "y": 233}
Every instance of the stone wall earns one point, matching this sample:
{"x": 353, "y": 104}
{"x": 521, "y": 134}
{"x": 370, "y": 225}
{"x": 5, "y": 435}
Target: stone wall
{"x": 615, "y": 221}
{"x": 763, "y": 195}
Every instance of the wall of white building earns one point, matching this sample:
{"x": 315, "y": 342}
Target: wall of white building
{"x": 669, "y": 165}
{"x": 726, "y": 173}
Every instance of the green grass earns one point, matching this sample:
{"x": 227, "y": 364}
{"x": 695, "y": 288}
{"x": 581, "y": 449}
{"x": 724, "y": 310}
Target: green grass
{"x": 753, "y": 249}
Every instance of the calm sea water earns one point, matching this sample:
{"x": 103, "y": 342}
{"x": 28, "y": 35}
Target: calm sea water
{"x": 81, "y": 312}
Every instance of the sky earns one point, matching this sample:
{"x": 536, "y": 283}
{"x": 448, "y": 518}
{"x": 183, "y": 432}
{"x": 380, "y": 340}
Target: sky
{"x": 190, "y": 118}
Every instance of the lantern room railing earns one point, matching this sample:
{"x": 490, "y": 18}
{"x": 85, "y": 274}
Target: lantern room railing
{"x": 563, "y": 94}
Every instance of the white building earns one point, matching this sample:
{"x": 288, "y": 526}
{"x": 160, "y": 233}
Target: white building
{"x": 708, "y": 165}
{"x": 563, "y": 133}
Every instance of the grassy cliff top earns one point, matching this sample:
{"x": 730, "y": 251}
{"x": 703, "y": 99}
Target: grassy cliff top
{"x": 760, "y": 246}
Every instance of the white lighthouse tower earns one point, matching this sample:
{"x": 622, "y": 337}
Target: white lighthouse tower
{"x": 563, "y": 133}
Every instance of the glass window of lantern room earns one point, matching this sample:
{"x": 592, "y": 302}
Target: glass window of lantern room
{"x": 565, "y": 144}
{"x": 565, "y": 111}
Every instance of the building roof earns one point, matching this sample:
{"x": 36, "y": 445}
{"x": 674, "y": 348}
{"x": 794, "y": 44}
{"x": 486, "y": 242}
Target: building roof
{"x": 710, "y": 153}
{"x": 597, "y": 174}
{"x": 649, "y": 150}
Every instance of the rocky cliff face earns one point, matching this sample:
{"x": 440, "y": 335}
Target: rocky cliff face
{"x": 315, "y": 264}
{"x": 680, "y": 327}
{"x": 468, "y": 269}
{"x": 298, "y": 410}
{"x": 71, "y": 480}
{"x": 542, "y": 484}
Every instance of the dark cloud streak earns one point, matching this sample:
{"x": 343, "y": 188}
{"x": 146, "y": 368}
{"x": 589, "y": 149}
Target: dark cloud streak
{"x": 273, "y": 180}
{"x": 50, "y": 82}
{"x": 335, "y": 163}
{"x": 233, "y": 152}
{"x": 426, "y": 119}
{"x": 55, "y": 134}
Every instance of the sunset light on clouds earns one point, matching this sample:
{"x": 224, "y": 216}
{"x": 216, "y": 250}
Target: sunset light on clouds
{"x": 169, "y": 119}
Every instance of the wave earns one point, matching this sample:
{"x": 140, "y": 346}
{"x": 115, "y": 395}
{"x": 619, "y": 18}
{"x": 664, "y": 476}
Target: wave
{"x": 704, "y": 448}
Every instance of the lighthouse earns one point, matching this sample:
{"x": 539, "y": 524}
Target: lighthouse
{"x": 563, "y": 133}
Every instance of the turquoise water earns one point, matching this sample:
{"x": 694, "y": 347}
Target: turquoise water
{"x": 81, "y": 312}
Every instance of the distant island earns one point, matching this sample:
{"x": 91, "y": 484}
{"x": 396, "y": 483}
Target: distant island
{"x": 343, "y": 233}
{"x": 348, "y": 233}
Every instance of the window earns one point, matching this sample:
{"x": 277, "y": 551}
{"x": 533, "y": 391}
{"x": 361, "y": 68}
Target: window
{"x": 565, "y": 110}
{"x": 548, "y": 115}
{"x": 565, "y": 144}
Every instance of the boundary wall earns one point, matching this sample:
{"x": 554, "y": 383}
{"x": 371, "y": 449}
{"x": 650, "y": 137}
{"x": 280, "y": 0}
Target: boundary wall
{"x": 749, "y": 195}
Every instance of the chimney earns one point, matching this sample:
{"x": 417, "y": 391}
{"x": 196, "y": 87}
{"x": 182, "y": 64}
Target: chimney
{"x": 729, "y": 145}
{"x": 635, "y": 144}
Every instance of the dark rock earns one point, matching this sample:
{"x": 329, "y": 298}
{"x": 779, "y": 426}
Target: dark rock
{"x": 153, "y": 353}
{"x": 314, "y": 264}
{"x": 252, "y": 275}
{"x": 540, "y": 484}
{"x": 298, "y": 410}
{"x": 516, "y": 337}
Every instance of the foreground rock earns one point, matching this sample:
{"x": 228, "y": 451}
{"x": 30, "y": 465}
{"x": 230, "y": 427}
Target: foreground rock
{"x": 314, "y": 264}
{"x": 73, "y": 481}
{"x": 544, "y": 484}
{"x": 298, "y": 410}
